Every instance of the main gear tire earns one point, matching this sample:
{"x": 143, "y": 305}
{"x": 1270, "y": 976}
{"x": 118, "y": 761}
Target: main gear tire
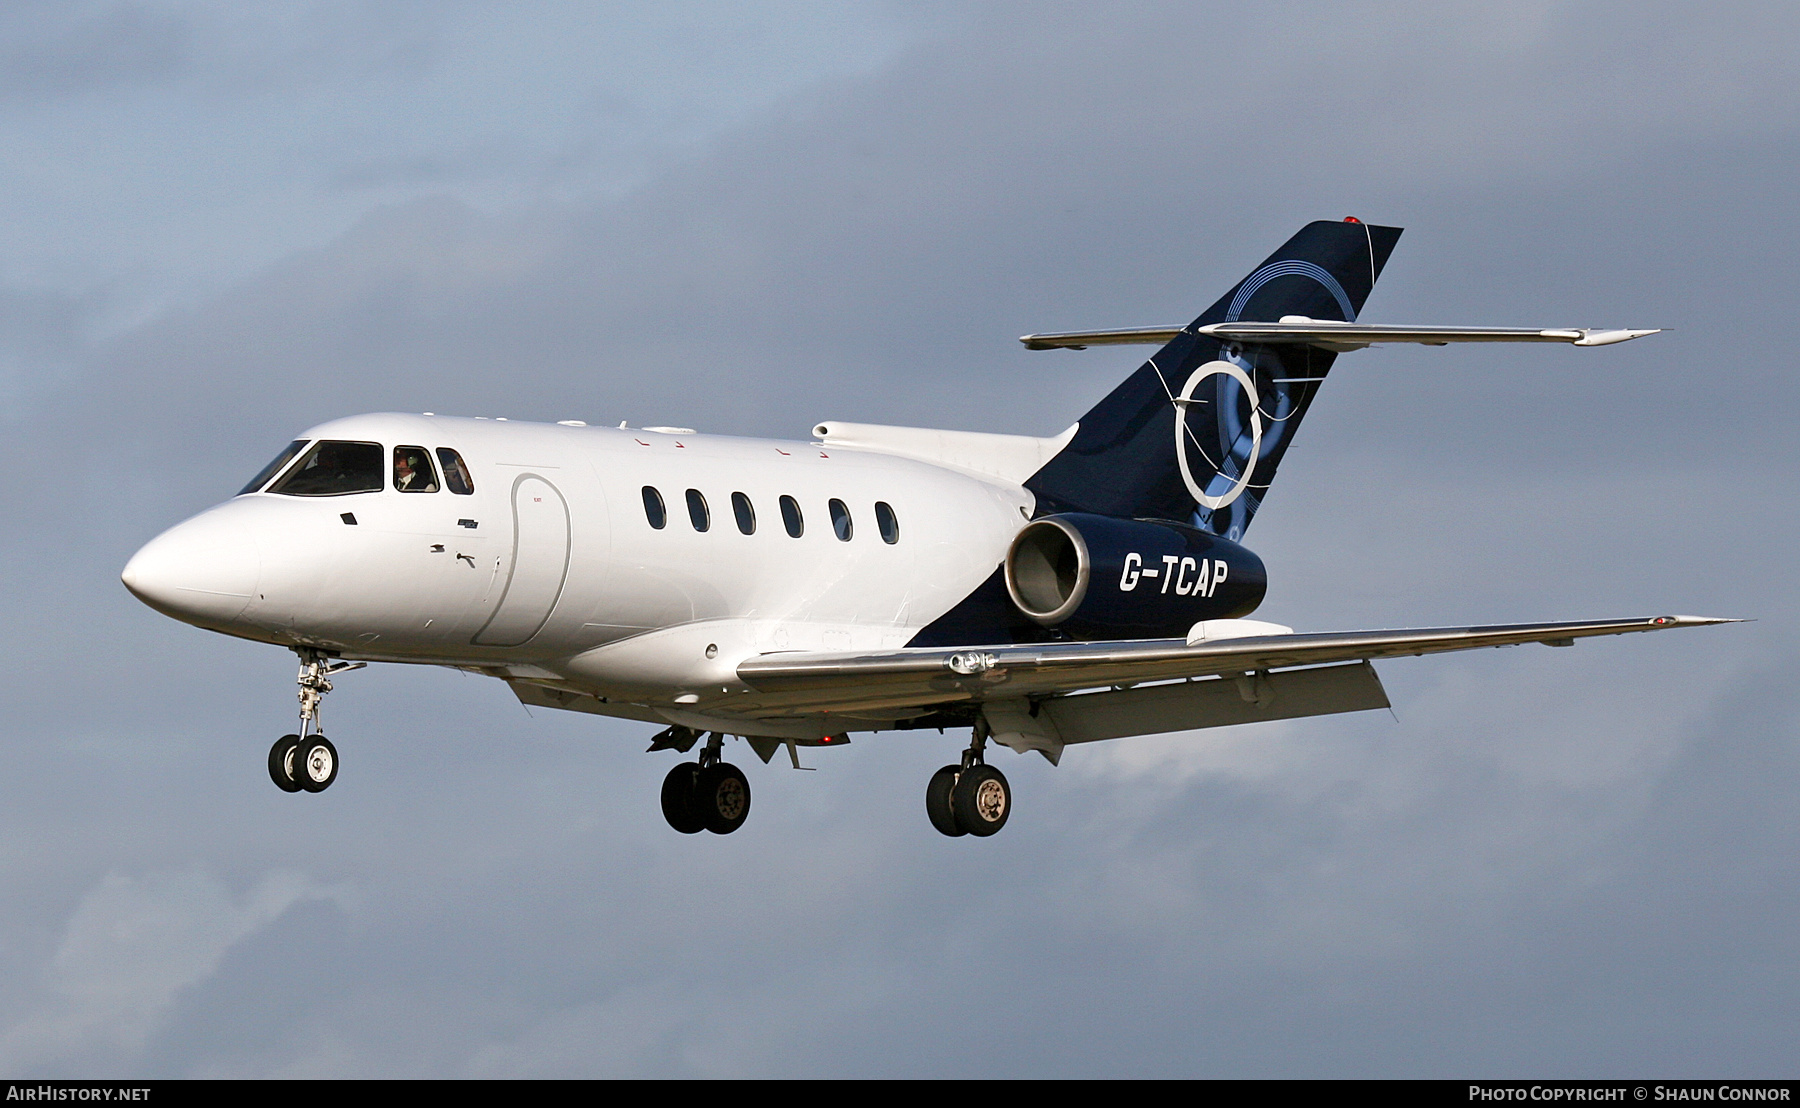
{"x": 938, "y": 807}
{"x": 981, "y": 800}
{"x": 722, "y": 798}
{"x": 678, "y": 799}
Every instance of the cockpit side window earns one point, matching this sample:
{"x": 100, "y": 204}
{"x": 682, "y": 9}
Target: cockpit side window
{"x": 412, "y": 470}
{"x": 456, "y": 474}
{"x": 274, "y": 467}
{"x": 333, "y": 468}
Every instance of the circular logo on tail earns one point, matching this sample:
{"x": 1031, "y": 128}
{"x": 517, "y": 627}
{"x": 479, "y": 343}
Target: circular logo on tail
{"x": 1184, "y": 438}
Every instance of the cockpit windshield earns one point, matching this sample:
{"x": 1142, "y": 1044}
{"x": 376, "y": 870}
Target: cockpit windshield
{"x": 274, "y": 467}
{"x": 335, "y": 469}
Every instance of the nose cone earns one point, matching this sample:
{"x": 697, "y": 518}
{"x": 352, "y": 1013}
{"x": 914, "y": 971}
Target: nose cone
{"x": 203, "y": 571}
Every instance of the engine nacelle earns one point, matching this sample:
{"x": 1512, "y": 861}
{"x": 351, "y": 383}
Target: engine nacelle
{"x": 1099, "y": 578}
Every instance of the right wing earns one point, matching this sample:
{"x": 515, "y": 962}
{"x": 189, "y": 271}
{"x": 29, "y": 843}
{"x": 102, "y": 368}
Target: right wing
{"x": 790, "y": 684}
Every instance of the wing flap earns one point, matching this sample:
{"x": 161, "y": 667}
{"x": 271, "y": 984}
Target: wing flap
{"x": 1216, "y": 702}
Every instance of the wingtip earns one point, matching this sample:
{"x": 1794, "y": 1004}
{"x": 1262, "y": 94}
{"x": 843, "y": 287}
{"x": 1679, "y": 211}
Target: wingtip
{"x": 1593, "y": 337}
{"x": 1694, "y": 621}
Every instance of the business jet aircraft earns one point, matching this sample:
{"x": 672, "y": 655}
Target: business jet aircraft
{"x": 1039, "y": 592}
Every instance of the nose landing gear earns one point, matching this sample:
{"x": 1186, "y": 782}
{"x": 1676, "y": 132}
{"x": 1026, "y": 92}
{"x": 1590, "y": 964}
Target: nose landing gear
{"x": 972, "y": 798}
{"x": 706, "y": 795}
{"x": 307, "y": 761}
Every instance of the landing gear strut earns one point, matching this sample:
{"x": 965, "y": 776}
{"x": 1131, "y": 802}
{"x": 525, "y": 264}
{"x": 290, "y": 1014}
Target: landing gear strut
{"x": 307, "y": 761}
{"x": 972, "y": 798}
{"x": 706, "y": 795}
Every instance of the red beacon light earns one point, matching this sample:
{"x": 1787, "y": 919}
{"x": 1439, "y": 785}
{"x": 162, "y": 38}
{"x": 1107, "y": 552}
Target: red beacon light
{"x": 1351, "y": 219}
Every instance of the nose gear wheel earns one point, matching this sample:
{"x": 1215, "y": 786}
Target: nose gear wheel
{"x": 307, "y": 762}
{"x": 315, "y": 764}
{"x": 281, "y": 763}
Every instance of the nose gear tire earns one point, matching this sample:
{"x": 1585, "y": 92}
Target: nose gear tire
{"x": 281, "y": 763}
{"x": 316, "y": 764}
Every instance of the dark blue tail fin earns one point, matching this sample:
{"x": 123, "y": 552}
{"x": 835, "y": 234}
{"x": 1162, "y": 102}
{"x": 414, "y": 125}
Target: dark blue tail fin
{"x": 1195, "y": 434}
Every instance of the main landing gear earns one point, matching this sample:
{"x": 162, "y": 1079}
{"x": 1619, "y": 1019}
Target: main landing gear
{"x": 307, "y": 761}
{"x": 706, "y": 795}
{"x": 972, "y": 798}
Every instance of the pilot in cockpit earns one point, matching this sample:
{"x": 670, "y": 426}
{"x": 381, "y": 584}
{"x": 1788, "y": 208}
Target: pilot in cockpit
{"x": 412, "y": 472}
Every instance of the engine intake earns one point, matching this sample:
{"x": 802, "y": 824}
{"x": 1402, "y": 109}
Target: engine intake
{"x": 1099, "y": 577}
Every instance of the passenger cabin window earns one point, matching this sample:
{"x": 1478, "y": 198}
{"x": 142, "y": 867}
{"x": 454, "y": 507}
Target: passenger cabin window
{"x": 697, "y": 512}
{"x": 887, "y": 523}
{"x": 412, "y": 470}
{"x": 840, "y": 521}
{"x": 790, "y": 517}
{"x": 653, "y": 508}
{"x": 746, "y": 514}
{"x": 334, "y": 468}
{"x": 274, "y": 467}
{"x": 456, "y": 475}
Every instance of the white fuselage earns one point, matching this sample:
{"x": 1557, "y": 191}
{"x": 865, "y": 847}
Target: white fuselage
{"x": 551, "y": 570}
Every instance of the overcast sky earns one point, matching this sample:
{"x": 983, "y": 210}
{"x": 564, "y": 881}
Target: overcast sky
{"x": 221, "y": 223}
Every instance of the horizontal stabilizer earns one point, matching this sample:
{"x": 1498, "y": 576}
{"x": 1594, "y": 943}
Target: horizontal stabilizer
{"x": 1081, "y": 340}
{"x": 1333, "y": 335}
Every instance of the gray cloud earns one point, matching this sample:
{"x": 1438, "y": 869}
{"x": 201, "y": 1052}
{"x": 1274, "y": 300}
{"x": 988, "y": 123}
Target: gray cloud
{"x": 132, "y": 946}
{"x": 62, "y": 50}
{"x": 55, "y": 52}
